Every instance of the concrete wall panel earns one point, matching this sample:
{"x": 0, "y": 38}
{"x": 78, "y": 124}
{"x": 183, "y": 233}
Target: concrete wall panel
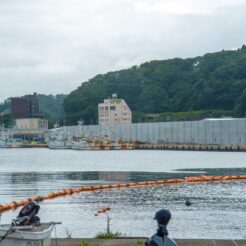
{"x": 211, "y": 131}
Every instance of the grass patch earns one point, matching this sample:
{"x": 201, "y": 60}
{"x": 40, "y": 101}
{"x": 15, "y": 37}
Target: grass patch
{"x": 105, "y": 235}
{"x": 85, "y": 243}
{"x": 140, "y": 242}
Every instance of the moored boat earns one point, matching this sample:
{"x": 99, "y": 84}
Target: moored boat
{"x": 4, "y": 144}
{"x": 82, "y": 144}
{"x": 7, "y": 139}
{"x": 33, "y": 235}
{"x": 59, "y": 144}
{"x": 26, "y": 229}
{"x": 58, "y": 139}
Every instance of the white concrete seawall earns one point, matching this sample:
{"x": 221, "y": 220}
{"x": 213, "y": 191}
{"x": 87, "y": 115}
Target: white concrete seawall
{"x": 228, "y": 131}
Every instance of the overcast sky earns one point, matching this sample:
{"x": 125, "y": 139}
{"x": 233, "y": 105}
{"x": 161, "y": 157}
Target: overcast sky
{"x": 52, "y": 46}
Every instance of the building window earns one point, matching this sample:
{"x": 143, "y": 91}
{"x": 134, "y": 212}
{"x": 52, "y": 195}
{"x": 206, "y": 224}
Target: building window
{"x": 112, "y": 108}
{"x": 106, "y": 107}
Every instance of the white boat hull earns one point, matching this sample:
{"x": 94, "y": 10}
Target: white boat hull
{"x": 59, "y": 145}
{"x": 81, "y": 146}
{"x": 37, "y": 236}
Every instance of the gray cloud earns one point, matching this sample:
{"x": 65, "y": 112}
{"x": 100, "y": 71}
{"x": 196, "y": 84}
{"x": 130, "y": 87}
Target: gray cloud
{"x": 51, "y": 46}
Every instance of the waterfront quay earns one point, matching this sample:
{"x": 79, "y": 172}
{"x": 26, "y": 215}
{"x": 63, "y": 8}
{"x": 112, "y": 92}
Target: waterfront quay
{"x": 225, "y": 131}
{"x": 227, "y": 134}
{"x": 149, "y": 146}
{"x": 141, "y": 241}
{"x": 192, "y": 147}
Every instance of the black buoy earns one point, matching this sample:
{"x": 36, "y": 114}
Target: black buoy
{"x": 187, "y": 203}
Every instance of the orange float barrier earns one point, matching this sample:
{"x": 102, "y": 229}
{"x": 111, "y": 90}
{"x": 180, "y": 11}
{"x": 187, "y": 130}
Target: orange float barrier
{"x": 70, "y": 191}
{"x": 160, "y": 182}
{"x": 131, "y": 184}
{"x": 102, "y": 210}
{"x": 123, "y": 185}
{"x": 241, "y": 177}
{"x": 77, "y": 190}
{"x": 115, "y": 186}
{"x": 14, "y": 204}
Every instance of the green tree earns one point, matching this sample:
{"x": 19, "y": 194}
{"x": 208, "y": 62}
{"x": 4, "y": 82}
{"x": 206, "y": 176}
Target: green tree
{"x": 212, "y": 82}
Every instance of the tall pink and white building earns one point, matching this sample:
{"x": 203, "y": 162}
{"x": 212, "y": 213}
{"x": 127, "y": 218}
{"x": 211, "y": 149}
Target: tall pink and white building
{"x": 114, "y": 111}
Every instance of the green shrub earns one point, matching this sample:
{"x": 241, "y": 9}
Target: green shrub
{"x": 105, "y": 235}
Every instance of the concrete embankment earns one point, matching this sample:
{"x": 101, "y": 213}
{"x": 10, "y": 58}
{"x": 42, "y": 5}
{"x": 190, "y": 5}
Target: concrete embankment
{"x": 192, "y": 147}
{"x": 141, "y": 241}
{"x": 149, "y": 146}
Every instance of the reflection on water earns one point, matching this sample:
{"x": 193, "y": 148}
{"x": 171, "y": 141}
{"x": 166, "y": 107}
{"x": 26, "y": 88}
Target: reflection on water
{"x": 217, "y": 211}
{"x": 218, "y": 208}
{"x": 109, "y": 176}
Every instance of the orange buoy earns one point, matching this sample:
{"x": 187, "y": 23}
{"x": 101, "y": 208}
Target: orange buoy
{"x": 14, "y": 204}
{"x": 69, "y": 191}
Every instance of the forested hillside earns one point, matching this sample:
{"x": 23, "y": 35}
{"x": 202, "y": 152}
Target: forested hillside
{"x": 215, "y": 81}
{"x": 52, "y": 106}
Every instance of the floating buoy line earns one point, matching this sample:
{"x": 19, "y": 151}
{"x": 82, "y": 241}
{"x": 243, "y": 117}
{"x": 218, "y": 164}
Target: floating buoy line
{"x": 70, "y": 191}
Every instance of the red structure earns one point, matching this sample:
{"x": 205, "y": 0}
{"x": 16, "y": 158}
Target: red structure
{"x": 26, "y": 107}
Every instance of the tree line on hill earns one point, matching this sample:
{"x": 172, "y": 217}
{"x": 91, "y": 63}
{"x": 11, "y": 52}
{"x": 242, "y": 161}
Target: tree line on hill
{"x": 213, "y": 84}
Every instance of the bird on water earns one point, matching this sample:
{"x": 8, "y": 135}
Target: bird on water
{"x": 188, "y": 202}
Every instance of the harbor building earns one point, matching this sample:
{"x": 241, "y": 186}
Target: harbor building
{"x": 26, "y": 107}
{"x": 114, "y": 111}
{"x": 30, "y": 128}
{"x": 31, "y": 123}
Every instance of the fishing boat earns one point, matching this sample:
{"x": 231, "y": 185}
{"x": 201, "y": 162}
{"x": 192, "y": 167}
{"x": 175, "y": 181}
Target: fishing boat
{"x": 81, "y": 144}
{"x": 4, "y": 144}
{"x": 3, "y": 139}
{"x": 58, "y": 139}
{"x": 80, "y": 140}
{"x": 26, "y": 229}
{"x": 59, "y": 144}
{"x": 7, "y": 140}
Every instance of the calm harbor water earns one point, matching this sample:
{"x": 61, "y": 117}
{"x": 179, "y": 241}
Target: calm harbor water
{"x": 217, "y": 211}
